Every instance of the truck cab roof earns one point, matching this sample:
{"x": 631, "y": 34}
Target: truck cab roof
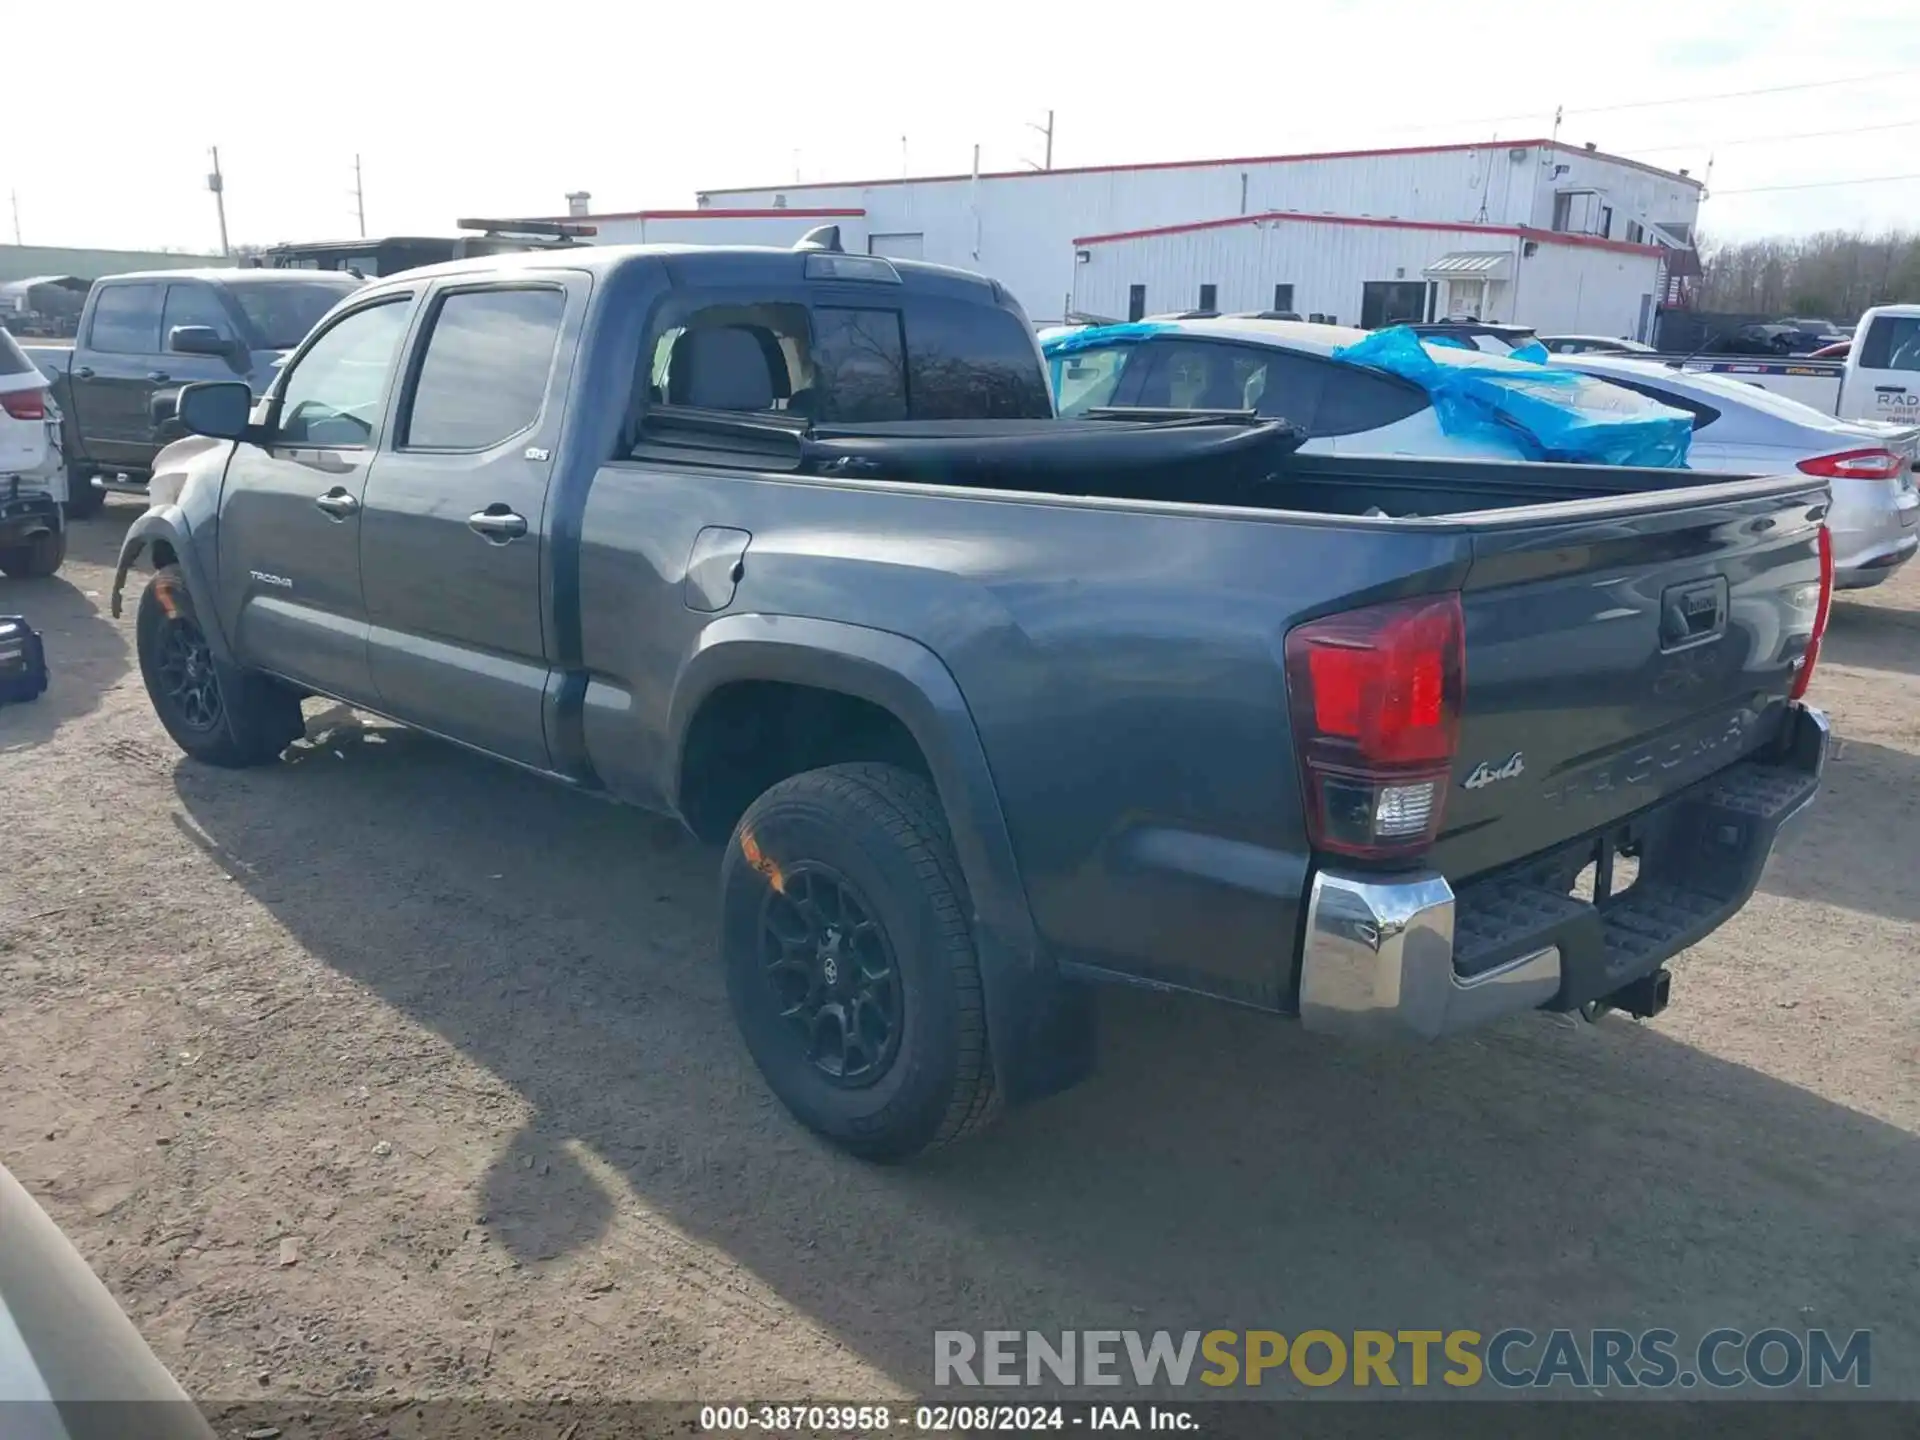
{"x": 726, "y": 265}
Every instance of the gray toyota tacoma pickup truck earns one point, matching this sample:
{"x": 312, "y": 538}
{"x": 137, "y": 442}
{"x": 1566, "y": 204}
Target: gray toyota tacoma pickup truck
{"x": 984, "y": 705}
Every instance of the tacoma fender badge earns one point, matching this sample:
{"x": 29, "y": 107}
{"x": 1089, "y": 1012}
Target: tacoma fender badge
{"x": 278, "y": 581}
{"x": 1486, "y": 772}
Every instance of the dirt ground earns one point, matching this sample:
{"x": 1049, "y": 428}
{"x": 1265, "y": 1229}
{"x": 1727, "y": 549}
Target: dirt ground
{"x": 455, "y": 1044}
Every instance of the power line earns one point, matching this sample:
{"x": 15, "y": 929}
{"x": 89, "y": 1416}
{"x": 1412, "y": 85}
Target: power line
{"x": 1543, "y": 113}
{"x": 1768, "y": 139}
{"x": 1821, "y": 184}
{"x": 1742, "y": 94}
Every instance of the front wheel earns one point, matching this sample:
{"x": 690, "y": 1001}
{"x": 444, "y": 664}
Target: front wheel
{"x": 215, "y": 713}
{"x": 36, "y": 559}
{"x": 850, "y": 964}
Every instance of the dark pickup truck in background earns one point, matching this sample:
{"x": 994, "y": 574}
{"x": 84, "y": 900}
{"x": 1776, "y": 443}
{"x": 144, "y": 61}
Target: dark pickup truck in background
{"x": 985, "y": 705}
{"x": 142, "y": 336}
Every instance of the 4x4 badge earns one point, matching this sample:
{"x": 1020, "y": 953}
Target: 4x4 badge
{"x": 1486, "y": 772}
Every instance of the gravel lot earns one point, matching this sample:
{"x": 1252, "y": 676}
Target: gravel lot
{"x": 454, "y": 1043}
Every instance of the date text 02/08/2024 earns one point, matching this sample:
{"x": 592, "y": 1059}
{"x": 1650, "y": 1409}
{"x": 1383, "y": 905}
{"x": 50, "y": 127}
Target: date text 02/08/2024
{"x": 940, "y": 1419}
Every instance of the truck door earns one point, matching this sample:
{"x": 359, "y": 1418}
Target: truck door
{"x": 115, "y": 370}
{"x": 1883, "y": 371}
{"x": 290, "y": 512}
{"x": 454, "y": 544}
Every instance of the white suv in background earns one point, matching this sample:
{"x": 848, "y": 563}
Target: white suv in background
{"x": 33, "y": 488}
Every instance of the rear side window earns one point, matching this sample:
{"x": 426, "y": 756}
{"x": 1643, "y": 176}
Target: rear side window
{"x": 1357, "y": 400}
{"x": 1703, "y": 413}
{"x": 971, "y": 361}
{"x": 859, "y": 365}
{"x": 126, "y": 320}
{"x": 484, "y": 375}
{"x": 1892, "y": 343}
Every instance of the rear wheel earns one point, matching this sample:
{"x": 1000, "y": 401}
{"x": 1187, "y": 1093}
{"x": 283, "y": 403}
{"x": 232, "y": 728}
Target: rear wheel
{"x": 83, "y": 501}
{"x": 37, "y": 558}
{"x": 850, "y": 964}
{"x": 215, "y": 713}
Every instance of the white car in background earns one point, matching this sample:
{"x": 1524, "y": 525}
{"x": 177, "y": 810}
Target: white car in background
{"x": 1743, "y": 429}
{"x": 33, "y": 488}
{"x": 1282, "y": 368}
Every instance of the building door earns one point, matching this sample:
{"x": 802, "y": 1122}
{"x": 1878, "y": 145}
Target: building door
{"x": 1643, "y": 332}
{"x": 1391, "y": 302}
{"x": 1136, "y": 301}
{"x": 898, "y": 247}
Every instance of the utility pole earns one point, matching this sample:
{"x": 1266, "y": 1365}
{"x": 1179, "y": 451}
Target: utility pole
{"x": 14, "y": 196}
{"x": 218, "y": 186}
{"x": 359, "y": 198}
{"x": 1046, "y": 130}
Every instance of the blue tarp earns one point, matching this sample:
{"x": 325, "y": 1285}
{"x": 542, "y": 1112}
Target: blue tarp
{"x": 1095, "y": 337}
{"x": 1551, "y": 414}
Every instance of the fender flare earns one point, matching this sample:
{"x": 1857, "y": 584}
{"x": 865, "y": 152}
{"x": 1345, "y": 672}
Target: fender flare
{"x": 168, "y": 523}
{"x": 1040, "y": 1026}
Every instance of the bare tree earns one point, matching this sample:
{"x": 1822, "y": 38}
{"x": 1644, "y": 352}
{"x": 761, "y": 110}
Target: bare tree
{"x": 1833, "y": 275}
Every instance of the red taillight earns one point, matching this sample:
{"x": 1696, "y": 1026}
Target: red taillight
{"x": 1375, "y": 701}
{"x": 1820, "y": 612}
{"x": 25, "y": 404}
{"x": 1856, "y": 465}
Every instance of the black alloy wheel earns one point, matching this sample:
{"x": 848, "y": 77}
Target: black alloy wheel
{"x": 833, "y": 975}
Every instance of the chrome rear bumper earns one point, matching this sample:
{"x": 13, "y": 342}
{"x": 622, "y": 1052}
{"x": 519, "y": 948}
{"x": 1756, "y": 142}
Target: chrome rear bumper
{"x": 1379, "y": 960}
{"x": 1405, "y": 955}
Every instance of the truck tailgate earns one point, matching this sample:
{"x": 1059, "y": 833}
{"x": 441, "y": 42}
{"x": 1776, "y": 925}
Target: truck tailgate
{"x": 1620, "y": 651}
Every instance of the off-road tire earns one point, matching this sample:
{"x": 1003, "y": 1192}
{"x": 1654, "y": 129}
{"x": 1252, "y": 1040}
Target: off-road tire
{"x": 37, "y": 559}
{"x": 256, "y": 717}
{"x": 882, "y": 829}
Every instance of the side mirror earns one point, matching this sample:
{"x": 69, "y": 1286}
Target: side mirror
{"x": 217, "y": 408}
{"x": 199, "y": 340}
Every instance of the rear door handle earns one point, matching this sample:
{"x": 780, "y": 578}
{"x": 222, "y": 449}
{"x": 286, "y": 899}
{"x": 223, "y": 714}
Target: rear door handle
{"x": 497, "y": 525}
{"x": 159, "y": 377}
{"x": 337, "y": 504}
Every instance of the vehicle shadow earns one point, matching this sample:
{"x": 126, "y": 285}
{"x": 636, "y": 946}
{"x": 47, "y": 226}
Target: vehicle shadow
{"x": 1222, "y": 1170}
{"x": 1867, "y": 789}
{"x": 88, "y": 652}
{"x": 1873, "y": 637}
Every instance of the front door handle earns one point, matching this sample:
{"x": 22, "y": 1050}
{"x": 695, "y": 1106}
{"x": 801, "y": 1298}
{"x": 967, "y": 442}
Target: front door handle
{"x": 159, "y": 377}
{"x": 85, "y": 372}
{"x": 497, "y": 525}
{"x": 337, "y": 504}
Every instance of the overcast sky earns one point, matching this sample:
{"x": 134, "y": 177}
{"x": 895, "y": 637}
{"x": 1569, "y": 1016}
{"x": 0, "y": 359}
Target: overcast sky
{"x": 506, "y": 108}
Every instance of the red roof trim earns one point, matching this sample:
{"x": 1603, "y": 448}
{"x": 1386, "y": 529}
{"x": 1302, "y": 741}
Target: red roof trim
{"x": 1204, "y": 164}
{"x": 771, "y": 212}
{"x": 1458, "y": 227}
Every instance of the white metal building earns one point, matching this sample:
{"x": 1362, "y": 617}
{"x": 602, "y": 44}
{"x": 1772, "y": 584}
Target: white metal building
{"x": 1582, "y": 234}
{"x": 1372, "y": 272}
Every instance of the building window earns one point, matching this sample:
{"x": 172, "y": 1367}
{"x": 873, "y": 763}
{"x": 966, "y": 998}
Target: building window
{"x": 1605, "y": 229}
{"x": 1209, "y": 297}
{"x": 1136, "y": 301}
{"x": 1636, "y": 233}
{"x": 1283, "y": 297}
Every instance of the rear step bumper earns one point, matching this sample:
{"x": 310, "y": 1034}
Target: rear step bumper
{"x": 1406, "y": 955}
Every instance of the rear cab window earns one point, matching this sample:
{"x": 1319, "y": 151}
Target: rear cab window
{"x": 843, "y": 354}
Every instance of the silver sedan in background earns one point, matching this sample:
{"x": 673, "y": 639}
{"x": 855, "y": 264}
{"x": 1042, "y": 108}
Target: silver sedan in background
{"x": 1742, "y": 429}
